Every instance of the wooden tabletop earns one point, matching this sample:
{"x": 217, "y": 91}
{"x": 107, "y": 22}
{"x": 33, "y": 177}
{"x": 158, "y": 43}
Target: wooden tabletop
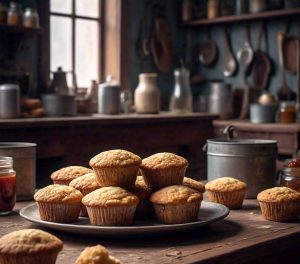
{"x": 243, "y": 237}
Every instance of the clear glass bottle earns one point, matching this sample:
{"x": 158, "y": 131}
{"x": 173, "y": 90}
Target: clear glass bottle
{"x": 30, "y": 18}
{"x": 15, "y": 14}
{"x": 181, "y": 100}
{"x": 7, "y": 185}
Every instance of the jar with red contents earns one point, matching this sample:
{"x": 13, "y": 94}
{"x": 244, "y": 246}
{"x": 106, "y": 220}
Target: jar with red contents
{"x": 7, "y": 185}
{"x": 289, "y": 176}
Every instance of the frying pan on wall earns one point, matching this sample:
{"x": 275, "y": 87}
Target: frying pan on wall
{"x": 208, "y": 51}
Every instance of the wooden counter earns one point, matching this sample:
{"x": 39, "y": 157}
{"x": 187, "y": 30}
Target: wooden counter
{"x": 74, "y": 140}
{"x": 243, "y": 237}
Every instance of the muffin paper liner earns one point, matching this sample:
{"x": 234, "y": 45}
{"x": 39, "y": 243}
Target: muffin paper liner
{"x": 159, "y": 178}
{"x": 233, "y": 199}
{"x": 281, "y": 211}
{"x": 42, "y": 257}
{"x": 111, "y": 216}
{"x": 121, "y": 177}
{"x": 177, "y": 214}
{"x": 60, "y": 213}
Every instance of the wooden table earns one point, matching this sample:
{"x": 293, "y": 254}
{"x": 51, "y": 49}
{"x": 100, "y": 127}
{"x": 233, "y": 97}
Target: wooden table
{"x": 243, "y": 237}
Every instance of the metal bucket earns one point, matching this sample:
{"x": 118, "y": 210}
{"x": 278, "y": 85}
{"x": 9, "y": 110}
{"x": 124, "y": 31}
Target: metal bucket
{"x": 24, "y": 163}
{"x": 251, "y": 161}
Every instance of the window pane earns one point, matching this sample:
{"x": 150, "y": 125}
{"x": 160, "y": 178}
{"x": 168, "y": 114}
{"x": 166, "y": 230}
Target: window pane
{"x": 61, "y": 6}
{"x": 87, "y": 52}
{"x": 61, "y": 43}
{"x": 88, "y": 8}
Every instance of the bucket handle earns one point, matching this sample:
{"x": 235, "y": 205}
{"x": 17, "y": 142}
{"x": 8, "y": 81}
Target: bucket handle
{"x": 229, "y": 132}
{"x": 205, "y": 148}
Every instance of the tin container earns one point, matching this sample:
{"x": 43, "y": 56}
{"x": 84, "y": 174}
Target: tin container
{"x": 109, "y": 98}
{"x": 9, "y": 101}
{"x": 24, "y": 157}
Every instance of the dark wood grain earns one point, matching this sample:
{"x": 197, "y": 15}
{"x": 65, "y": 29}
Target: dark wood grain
{"x": 243, "y": 237}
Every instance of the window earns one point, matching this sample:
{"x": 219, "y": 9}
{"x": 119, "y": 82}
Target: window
{"x": 75, "y": 32}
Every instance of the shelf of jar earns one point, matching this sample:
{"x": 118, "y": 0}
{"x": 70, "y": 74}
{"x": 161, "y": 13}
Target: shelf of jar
{"x": 20, "y": 29}
{"x": 244, "y": 17}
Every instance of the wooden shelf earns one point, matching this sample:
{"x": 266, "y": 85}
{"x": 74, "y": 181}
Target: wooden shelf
{"x": 244, "y": 17}
{"x": 20, "y": 29}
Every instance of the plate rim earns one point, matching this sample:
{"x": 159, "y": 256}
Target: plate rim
{"x": 77, "y": 228}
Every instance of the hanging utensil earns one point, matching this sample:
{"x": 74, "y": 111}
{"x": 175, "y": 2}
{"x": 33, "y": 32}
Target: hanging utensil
{"x": 245, "y": 57}
{"x": 290, "y": 49}
{"x": 208, "y": 51}
{"x": 284, "y": 93}
{"x": 229, "y": 63}
{"x": 261, "y": 67}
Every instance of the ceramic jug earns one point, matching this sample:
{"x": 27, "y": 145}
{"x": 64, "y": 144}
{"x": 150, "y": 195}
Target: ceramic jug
{"x": 147, "y": 94}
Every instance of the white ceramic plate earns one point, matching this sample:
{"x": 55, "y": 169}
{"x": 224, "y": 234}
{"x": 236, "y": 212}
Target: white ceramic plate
{"x": 208, "y": 213}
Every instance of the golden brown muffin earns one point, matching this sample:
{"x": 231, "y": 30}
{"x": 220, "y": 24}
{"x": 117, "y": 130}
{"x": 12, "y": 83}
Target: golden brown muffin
{"x": 110, "y": 206}
{"x": 144, "y": 208}
{"x": 85, "y": 184}
{"x": 227, "y": 191}
{"x": 279, "y": 204}
{"x": 67, "y": 174}
{"x": 29, "y": 246}
{"x": 198, "y": 186}
{"x": 59, "y": 203}
{"x": 163, "y": 169}
{"x": 176, "y": 204}
{"x": 116, "y": 168}
{"x": 96, "y": 255}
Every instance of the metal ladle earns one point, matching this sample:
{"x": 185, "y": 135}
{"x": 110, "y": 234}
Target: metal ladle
{"x": 230, "y": 65}
{"x": 245, "y": 57}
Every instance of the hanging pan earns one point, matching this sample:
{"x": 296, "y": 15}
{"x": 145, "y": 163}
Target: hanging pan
{"x": 208, "y": 51}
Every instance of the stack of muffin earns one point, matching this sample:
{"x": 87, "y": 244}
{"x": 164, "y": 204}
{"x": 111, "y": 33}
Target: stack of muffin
{"x": 113, "y": 193}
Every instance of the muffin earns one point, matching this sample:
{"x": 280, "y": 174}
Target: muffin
{"x": 144, "y": 208}
{"x": 227, "y": 191}
{"x": 280, "y": 204}
{"x": 116, "y": 168}
{"x": 29, "y": 246}
{"x": 109, "y": 206}
{"x": 67, "y": 174}
{"x": 196, "y": 185}
{"x": 163, "y": 169}
{"x": 59, "y": 203}
{"x": 85, "y": 184}
{"x": 176, "y": 204}
{"x": 96, "y": 255}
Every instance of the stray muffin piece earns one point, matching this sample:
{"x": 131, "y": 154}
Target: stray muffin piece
{"x": 227, "y": 191}
{"x": 96, "y": 255}
{"x": 85, "y": 184}
{"x": 144, "y": 208}
{"x": 67, "y": 174}
{"x": 280, "y": 204}
{"x": 196, "y": 185}
{"x": 176, "y": 204}
{"x": 30, "y": 246}
{"x": 116, "y": 168}
{"x": 59, "y": 203}
{"x": 109, "y": 206}
{"x": 163, "y": 169}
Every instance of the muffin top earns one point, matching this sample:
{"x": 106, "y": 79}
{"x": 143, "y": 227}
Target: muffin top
{"x": 85, "y": 183}
{"x": 115, "y": 158}
{"x": 164, "y": 160}
{"x": 57, "y": 193}
{"x": 69, "y": 173}
{"x": 199, "y": 186}
{"x": 278, "y": 194}
{"x": 96, "y": 255}
{"x": 225, "y": 184}
{"x": 29, "y": 241}
{"x": 141, "y": 189}
{"x": 176, "y": 194}
{"x": 110, "y": 197}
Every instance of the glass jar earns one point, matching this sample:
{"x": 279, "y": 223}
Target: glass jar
{"x": 30, "y": 18}
{"x": 3, "y": 14}
{"x": 212, "y": 9}
{"x": 287, "y": 112}
{"x": 7, "y": 185}
{"x": 14, "y": 16}
{"x": 290, "y": 177}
